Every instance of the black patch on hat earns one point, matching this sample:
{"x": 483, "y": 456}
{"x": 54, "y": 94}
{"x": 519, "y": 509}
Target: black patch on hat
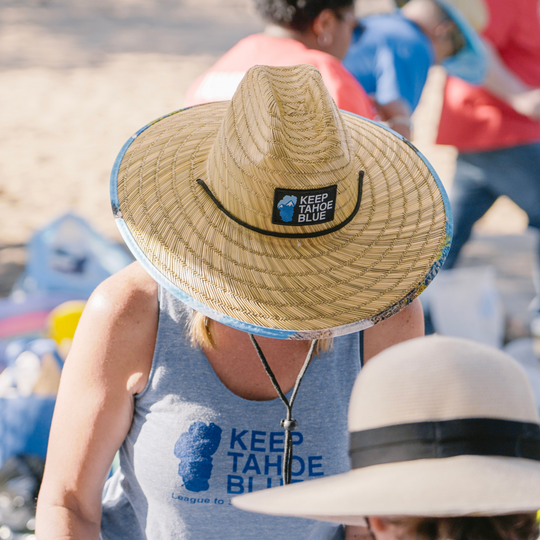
{"x": 299, "y": 207}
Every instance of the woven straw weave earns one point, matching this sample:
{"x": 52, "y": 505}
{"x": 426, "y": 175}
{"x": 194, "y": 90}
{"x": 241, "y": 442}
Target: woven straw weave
{"x": 282, "y": 129}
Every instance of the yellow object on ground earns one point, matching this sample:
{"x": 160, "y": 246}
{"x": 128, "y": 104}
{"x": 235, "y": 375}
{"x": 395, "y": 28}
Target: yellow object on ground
{"x": 63, "y": 321}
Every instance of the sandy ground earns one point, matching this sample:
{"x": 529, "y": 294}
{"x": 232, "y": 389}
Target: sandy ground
{"x": 78, "y": 77}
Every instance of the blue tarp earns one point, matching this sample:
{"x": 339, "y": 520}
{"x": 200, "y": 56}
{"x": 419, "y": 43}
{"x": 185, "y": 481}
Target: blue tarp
{"x": 24, "y": 426}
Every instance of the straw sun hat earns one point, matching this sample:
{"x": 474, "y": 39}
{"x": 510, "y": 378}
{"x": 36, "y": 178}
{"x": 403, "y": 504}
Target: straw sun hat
{"x": 439, "y": 427}
{"x": 278, "y": 214}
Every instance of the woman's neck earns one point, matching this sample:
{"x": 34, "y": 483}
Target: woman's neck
{"x": 306, "y": 38}
{"x": 235, "y": 361}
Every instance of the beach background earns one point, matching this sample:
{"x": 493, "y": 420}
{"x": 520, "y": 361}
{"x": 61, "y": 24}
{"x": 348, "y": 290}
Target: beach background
{"x": 79, "y": 77}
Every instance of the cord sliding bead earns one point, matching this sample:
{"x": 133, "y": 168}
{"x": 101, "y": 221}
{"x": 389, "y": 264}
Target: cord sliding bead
{"x": 289, "y": 425}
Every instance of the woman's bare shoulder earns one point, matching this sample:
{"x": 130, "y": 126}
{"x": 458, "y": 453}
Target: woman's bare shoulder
{"x": 117, "y": 331}
{"x": 128, "y": 289}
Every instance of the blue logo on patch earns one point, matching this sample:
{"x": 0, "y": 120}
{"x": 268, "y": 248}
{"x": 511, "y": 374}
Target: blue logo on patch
{"x": 300, "y": 207}
{"x": 194, "y": 449}
{"x": 286, "y": 207}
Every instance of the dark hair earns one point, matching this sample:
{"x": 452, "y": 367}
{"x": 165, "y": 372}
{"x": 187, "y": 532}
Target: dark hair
{"x": 509, "y": 527}
{"x": 297, "y": 14}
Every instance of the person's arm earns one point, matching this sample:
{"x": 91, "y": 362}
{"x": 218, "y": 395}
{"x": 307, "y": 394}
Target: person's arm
{"x": 508, "y": 87}
{"x": 407, "y": 324}
{"x": 400, "y": 74}
{"x": 397, "y": 114}
{"x": 108, "y": 364}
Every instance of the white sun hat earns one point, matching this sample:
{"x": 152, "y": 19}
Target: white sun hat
{"x": 439, "y": 426}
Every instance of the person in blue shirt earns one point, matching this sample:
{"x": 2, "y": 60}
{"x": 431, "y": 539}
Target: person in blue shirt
{"x": 391, "y": 53}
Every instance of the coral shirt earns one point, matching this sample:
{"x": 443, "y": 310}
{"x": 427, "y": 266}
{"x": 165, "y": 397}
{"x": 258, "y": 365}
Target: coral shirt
{"x": 222, "y": 79}
{"x": 474, "y": 120}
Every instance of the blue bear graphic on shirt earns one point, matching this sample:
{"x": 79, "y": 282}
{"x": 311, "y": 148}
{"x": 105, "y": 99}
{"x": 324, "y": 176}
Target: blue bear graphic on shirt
{"x": 286, "y": 207}
{"x": 194, "y": 449}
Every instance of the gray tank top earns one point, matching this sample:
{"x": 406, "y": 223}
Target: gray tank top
{"x": 193, "y": 445}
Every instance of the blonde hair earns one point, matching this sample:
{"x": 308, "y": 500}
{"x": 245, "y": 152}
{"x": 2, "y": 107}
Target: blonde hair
{"x": 200, "y": 334}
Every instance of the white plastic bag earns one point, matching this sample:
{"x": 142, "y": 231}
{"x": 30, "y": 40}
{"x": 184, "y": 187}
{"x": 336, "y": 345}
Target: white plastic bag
{"x": 465, "y": 302}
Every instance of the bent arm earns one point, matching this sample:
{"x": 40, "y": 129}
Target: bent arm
{"x": 407, "y": 324}
{"x": 397, "y": 115}
{"x": 108, "y": 364}
{"x": 508, "y": 87}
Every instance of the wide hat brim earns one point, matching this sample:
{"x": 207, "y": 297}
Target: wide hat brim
{"x": 280, "y": 287}
{"x": 455, "y": 486}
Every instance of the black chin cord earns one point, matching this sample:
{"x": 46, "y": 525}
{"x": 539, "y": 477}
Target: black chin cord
{"x": 289, "y": 423}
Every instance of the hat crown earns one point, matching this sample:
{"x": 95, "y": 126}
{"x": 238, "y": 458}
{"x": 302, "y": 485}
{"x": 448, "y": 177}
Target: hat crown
{"x": 439, "y": 378}
{"x": 206, "y": 220}
{"x": 282, "y": 130}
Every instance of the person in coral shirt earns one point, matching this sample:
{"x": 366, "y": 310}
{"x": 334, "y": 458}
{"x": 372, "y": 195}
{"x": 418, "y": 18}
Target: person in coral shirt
{"x": 298, "y": 32}
{"x": 496, "y": 126}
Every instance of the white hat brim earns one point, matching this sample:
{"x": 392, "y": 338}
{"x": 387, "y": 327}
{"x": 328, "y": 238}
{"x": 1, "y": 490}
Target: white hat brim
{"x": 456, "y": 486}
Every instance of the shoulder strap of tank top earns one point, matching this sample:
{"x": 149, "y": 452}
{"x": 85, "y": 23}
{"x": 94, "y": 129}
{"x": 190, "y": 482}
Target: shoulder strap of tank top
{"x": 361, "y": 341}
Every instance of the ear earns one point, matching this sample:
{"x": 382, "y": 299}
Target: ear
{"x": 377, "y": 524}
{"x": 382, "y": 529}
{"x": 324, "y": 22}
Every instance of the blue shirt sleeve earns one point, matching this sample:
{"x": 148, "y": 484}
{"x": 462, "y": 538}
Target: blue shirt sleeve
{"x": 391, "y": 59}
{"x": 401, "y": 73}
